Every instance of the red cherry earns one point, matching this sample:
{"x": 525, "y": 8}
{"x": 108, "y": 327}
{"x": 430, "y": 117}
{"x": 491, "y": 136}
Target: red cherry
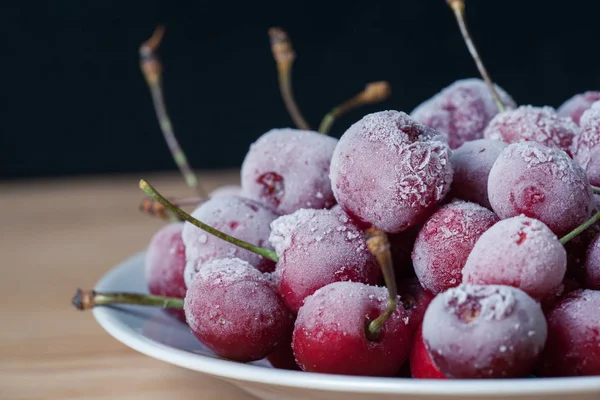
{"x": 586, "y": 146}
{"x": 538, "y": 124}
{"x": 472, "y": 163}
{"x": 461, "y": 111}
{"x": 239, "y": 217}
{"x": 316, "y": 248}
{"x": 390, "y": 171}
{"x": 573, "y": 347}
{"x": 415, "y": 300}
{"x": 288, "y": 169}
{"x": 520, "y": 252}
{"x": 576, "y": 105}
{"x": 421, "y": 364}
{"x": 165, "y": 263}
{"x": 233, "y": 309}
{"x": 329, "y": 334}
{"x": 491, "y": 331}
{"x": 445, "y": 242}
{"x": 542, "y": 183}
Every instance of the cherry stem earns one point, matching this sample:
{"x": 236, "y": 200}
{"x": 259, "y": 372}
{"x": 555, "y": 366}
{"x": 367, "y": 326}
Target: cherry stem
{"x": 88, "y": 299}
{"x": 596, "y": 189}
{"x": 154, "y": 208}
{"x": 152, "y": 192}
{"x": 458, "y": 7}
{"x": 595, "y": 218}
{"x": 284, "y": 55}
{"x": 374, "y": 92}
{"x": 152, "y": 69}
{"x": 379, "y": 245}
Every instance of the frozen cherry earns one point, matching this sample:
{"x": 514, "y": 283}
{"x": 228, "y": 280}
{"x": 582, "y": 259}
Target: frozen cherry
{"x": 445, "y": 241}
{"x": 537, "y": 124}
{"x": 592, "y": 265}
{"x": 415, "y": 300}
{"x": 282, "y": 356}
{"x": 540, "y": 182}
{"x": 287, "y": 169}
{"x": 421, "y": 364}
{"x": 520, "y": 252}
{"x": 316, "y": 248}
{"x": 576, "y": 105}
{"x": 567, "y": 286}
{"x": 573, "y": 347}
{"x": 329, "y": 334}
{"x": 234, "y": 310}
{"x": 165, "y": 263}
{"x": 462, "y": 110}
{"x": 390, "y": 171}
{"x": 586, "y": 149}
{"x": 472, "y": 163}
{"x": 239, "y": 217}
{"x": 490, "y": 331}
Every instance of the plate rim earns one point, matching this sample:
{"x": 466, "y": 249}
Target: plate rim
{"x": 231, "y": 370}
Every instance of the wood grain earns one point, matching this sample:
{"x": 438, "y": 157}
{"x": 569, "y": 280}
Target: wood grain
{"x": 57, "y": 235}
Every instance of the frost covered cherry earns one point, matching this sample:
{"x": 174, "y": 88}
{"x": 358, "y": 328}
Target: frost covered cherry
{"x": 537, "y": 124}
{"x": 586, "y": 146}
{"x": 282, "y": 356}
{"x": 461, "y": 111}
{"x": 232, "y": 308}
{"x": 165, "y": 263}
{"x": 520, "y": 252}
{"x": 288, "y": 169}
{"x": 540, "y": 182}
{"x": 239, "y": 217}
{"x": 576, "y": 105}
{"x": 472, "y": 163}
{"x": 490, "y": 331}
{"x": 415, "y": 300}
{"x": 390, "y": 171}
{"x": 329, "y": 333}
{"x": 592, "y": 265}
{"x": 445, "y": 241}
{"x": 316, "y": 248}
{"x": 573, "y": 347}
{"x": 421, "y": 364}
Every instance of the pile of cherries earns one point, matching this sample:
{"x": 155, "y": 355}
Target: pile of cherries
{"x": 489, "y": 214}
{"x": 496, "y": 293}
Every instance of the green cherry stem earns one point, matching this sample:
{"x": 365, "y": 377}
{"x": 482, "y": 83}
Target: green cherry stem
{"x": 595, "y": 218}
{"x": 152, "y": 192}
{"x": 374, "y": 92}
{"x": 379, "y": 245}
{"x": 284, "y": 55}
{"x": 152, "y": 69}
{"x": 458, "y": 7}
{"x": 87, "y": 299}
{"x": 596, "y": 189}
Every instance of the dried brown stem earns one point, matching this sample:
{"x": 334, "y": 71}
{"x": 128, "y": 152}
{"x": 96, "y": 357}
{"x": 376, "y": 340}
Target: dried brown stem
{"x": 379, "y": 245}
{"x": 152, "y": 69}
{"x": 458, "y": 7}
{"x": 88, "y": 299}
{"x": 284, "y": 55}
{"x": 374, "y": 92}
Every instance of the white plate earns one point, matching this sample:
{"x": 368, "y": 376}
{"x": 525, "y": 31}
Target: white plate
{"x": 154, "y": 333}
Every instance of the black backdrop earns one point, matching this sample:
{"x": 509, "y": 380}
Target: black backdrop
{"x": 74, "y": 101}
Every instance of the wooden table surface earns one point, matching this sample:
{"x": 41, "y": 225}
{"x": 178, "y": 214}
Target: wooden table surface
{"x": 57, "y": 235}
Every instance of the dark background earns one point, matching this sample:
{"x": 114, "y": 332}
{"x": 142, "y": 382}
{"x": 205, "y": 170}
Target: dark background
{"x": 74, "y": 101}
